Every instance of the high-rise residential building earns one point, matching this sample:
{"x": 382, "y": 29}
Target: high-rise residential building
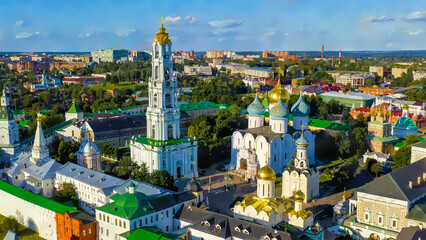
{"x": 377, "y": 69}
{"x": 164, "y": 148}
{"x": 397, "y": 72}
{"x": 110, "y": 55}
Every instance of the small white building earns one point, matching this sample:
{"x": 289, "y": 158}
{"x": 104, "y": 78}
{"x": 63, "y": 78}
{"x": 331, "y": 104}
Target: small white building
{"x": 139, "y": 205}
{"x": 89, "y": 154}
{"x": 74, "y": 112}
{"x": 93, "y": 188}
{"x": 35, "y": 172}
{"x": 418, "y": 151}
{"x": 380, "y": 157}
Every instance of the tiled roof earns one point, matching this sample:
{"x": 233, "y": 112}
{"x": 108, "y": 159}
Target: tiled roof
{"x": 396, "y": 184}
{"x": 93, "y": 178}
{"x": 151, "y": 233}
{"x": 117, "y": 123}
{"x": 45, "y": 171}
{"x": 34, "y": 199}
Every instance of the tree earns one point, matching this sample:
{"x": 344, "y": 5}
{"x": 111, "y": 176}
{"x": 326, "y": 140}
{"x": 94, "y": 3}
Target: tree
{"x": 402, "y": 157}
{"x": 376, "y": 168}
{"x": 342, "y": 143}
{"x": 66, "y": 152}
{"x": 66, "y": 192}
{"x": 410, "y": 139}
{"x": 142, "y": 174}
{"x": 125, "y": 168}
{"x": 163, "y": 179}
{"x": 357, "y": 137}
{"x": 10, "y": 223}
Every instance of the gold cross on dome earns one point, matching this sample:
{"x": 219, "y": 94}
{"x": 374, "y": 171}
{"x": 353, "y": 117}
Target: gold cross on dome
{"x": 267, "y": 157}
{"x": 162, "y": 20}
{"x": 303, "y": 128}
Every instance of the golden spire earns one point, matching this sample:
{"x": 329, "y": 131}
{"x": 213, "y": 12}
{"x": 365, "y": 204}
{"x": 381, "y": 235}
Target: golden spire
{"x": 162, "y": 36}
{"x": 345, "y": 194}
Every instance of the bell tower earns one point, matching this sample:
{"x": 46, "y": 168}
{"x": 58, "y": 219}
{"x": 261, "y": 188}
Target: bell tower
{"x": 163, "y": 115}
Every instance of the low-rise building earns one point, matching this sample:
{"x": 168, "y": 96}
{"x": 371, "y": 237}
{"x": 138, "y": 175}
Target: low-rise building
{"x": 76, "y": 226}
{"x": 258, "y": 72}
{"x": 388, "y": 204}
{"x": 198, "y": 70}
{"x": 233, "y": 68}
{"x": 18, "y": 115}
{"x": 418, "y": 151}
{"x": 202, "y": 108}
{"x": 93, "y": 188}
{"x": 350, "y": 99}
{"x": 134, "y": 207}
{"x": 354, "y": 80}
{"x": 111, "y": 55}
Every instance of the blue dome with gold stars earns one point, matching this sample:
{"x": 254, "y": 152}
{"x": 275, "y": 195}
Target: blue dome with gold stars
{"x": 279, "y": 111}
{"x": 256, "y": 108}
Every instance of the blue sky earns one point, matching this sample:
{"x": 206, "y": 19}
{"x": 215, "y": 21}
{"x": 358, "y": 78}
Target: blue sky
{"x": 221, "y": 24}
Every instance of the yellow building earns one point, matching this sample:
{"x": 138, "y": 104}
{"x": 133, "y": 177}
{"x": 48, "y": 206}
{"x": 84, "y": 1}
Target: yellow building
{"x": 377, "y": 69}
{"x": 397, "y": 72}
{"x": 388, "y": 204}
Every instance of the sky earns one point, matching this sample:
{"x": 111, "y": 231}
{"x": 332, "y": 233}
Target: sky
{"x": 238, "y": 25}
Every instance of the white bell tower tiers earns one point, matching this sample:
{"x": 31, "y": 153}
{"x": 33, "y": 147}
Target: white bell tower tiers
{"x": 163, "y": 115}
{"x": 163, "y": 148}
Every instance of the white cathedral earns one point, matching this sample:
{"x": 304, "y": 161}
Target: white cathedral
{"x": 251, "y": 148}
{"x": 164, "y": 148}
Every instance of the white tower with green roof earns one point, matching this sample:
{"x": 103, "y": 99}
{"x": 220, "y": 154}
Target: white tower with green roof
{"x": 74, "y": 112}
{"x": 163, "y": 148}
{"x": 9, "y": 134}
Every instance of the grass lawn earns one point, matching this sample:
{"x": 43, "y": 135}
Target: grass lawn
{"x": 24, "y": 233}
{"x": 333, "y": 163}
{"x": 122, "y": 85}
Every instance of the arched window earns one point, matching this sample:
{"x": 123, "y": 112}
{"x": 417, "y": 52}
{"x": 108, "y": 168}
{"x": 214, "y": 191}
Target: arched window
{"x": 170, "y": 132}
{"x": 168, "y": 100}
{"x": 156, "y": 72}
{"x": 157, "y": 49}
{"x": 153, "y": 131}
{"x": 154, "y": 104}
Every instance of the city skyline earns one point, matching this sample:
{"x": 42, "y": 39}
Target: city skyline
{"x": 292, "y": 25}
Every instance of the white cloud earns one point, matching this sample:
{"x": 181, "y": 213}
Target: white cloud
{"x": 220, "y": 39}
{"x": 37, "y": 33}
{"x": 415, "y": 32}
{"x": 190, "y": 20}
{"x": 286, "y": 33}
{"x": 417, "y": 16}
{"x": 125, "y": 33}
{"x": 374, "y": 19}
{"x": 229, "y": 23}
{"x": 392, "y": 45}
{"x": 269, "y": 34}
{"x": 82, "y": 35}
{"x": 19, "y": 23}
{"x": 23, "y": 35}
{"x": 173, "y": 20}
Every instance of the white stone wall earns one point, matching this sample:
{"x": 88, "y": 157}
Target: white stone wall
{"x": 32, "y": 216}
{"x": 417, "y": 153}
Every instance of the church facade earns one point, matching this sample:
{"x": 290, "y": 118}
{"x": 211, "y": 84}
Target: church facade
{"x": 164, "y": 148}
{"x": 9, "y": 134}
{"x": 300, "y": 176}
{"x": 277, "y": 142}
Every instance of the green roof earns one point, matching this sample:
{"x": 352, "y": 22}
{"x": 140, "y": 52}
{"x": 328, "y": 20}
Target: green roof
{"x": 328, "y": 125}
{"x": 402, "y": 143}
{"x": 23, "y": 123}
{"x": 153, "y": 233}
{"x": 421, "y": 144}
{"x": 17, "y": 111}
{"x": 160, "y": 143}
{"x": 377, "y": 122}
{"x": 121, "y": 110}
{"x": 418, "y": 212}
{"x": 74, "y": 108}
{"x": 35, "y": 199}
{"x": 55, "y": 128}
{"x": 44, "y": 112}
{"x": 405, "y": 122}
{"x": 389, "y": 139}
{"x": 201, "y": 105}
{"x": 128, "y": 206}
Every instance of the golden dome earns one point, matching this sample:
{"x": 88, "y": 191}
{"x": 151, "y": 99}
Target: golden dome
{"x": 162, "y": 37}
{"x": 266, "y": 173}
{"x": 405, "y": 107}
{"x": 275, "y": 94}
{"x": 299, "y": 196}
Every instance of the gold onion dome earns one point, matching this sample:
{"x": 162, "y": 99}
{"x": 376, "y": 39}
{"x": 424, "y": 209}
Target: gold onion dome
{"x": 277, "y": 93}
{"x": 266, "y": 173}
{"x": 405, "y": 107}
{"x": 162, "y": 36}
{"x": 299, "y": 196}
